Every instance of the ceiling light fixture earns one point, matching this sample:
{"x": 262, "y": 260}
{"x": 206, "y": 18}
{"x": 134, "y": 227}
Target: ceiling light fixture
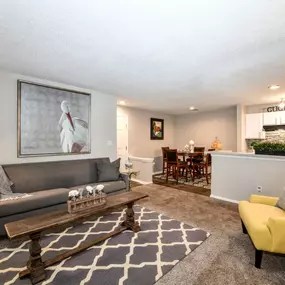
{"x": 281, "y": 104}
{"x": 274, "y": 87}
{"x": 192, "y": 108}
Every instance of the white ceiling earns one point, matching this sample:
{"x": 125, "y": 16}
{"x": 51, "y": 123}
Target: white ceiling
{"x": 158, "y": 54}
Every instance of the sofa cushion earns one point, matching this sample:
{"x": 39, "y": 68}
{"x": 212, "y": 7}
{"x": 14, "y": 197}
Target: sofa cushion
{"x": 255, "y": 217}
{"x": 38, "y": 200}
{"x": 108, "y": 171}
{"x": 109, "y": 187}
{"x": 33, "y": 177}
{"x": 117, "y": 163}
{"x": 5, "y": 183}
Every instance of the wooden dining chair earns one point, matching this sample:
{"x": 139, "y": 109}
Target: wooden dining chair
{"x": 174, "y": 165}
{"x": 202, "y": 168}
{"x": 164, "y": 149}
{"x": 200, "y": 156}
{"x": 199, "y": 149}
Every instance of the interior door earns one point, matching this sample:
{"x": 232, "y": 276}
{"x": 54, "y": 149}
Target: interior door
{"x": 122, "y": 139}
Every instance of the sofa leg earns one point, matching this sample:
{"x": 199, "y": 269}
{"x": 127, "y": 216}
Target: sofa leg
{"x": 258, "y": 258}
{"x": 244, "y": 230}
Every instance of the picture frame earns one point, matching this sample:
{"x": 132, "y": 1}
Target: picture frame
{"x": 156, "y": 129}
{"x": 52, "y": 120}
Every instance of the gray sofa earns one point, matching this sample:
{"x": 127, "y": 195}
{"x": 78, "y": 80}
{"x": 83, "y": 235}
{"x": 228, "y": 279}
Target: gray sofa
{"x": 49, "y": 184}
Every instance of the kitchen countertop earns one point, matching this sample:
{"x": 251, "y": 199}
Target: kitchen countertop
{"x": 247, "y": 155}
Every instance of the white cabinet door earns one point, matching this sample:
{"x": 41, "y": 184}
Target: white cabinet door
{"x": 282, "y": 117}
{"x": 253, "y": 126}
{"x": 270, "y": 118}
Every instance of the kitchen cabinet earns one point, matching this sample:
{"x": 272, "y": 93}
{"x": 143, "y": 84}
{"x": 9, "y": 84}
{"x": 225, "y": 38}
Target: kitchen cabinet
{"x": 282, "y": 117}
{"x": 274, "y": 118}
{"x": 253, "y": 126}
{"x": 270, "y": 118}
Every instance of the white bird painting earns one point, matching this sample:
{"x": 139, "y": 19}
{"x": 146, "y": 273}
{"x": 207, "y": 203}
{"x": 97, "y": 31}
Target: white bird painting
{"x": 73, "y": 131}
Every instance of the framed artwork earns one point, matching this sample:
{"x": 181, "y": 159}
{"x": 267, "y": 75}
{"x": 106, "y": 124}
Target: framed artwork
{"x": 52, "y": 121}
{"x": 156, "y": 129}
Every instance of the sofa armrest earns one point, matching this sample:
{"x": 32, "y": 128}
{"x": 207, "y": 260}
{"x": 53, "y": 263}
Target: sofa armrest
{"x": 276, "y": 227}
{"x": 266, "y": 200}
{"x": 125, "y": 178}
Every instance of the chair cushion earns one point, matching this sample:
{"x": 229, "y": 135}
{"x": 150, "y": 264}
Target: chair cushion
{"x": 255, "y": 217}
{"x": 281, "y": 201}
{"x": 38, "y": 200}
{"x": 109, "y": 187}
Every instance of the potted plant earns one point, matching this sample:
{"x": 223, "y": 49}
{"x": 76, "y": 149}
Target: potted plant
{"x": 269, "y": 148}
{"x": 252, "y": 146}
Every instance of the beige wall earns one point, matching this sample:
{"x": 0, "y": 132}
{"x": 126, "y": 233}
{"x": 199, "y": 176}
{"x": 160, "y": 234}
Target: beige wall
{"x": 203, "y": 127}
{"x": 103, "y": 122}
{"x": 140, "y": 144}
{"x": 259, "y": 108}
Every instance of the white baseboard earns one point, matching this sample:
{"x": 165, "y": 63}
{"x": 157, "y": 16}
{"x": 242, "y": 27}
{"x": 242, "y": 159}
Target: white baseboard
{"x": 141, "y": 182}
{"x": 224, "y": 199}
{"x": 157, "y": 172}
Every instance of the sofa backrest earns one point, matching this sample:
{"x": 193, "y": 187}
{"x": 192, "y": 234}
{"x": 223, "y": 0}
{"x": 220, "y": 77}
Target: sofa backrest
{"x": 31, "y": 177}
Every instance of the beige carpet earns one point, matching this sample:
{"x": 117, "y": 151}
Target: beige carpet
{"x": 227, "y": 257}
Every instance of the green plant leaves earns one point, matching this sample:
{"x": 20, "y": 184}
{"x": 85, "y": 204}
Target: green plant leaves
{"x": 269, "y": 147}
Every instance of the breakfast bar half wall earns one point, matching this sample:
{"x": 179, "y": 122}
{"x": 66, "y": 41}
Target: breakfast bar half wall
{"x": 235, "y": 176}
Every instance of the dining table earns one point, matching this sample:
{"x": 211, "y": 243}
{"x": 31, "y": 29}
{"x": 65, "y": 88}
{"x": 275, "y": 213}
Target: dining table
{"x": 189, "y": 155}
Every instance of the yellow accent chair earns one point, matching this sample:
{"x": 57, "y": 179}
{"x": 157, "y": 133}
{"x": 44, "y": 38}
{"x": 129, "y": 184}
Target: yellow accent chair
{"x": 265, "y": 225}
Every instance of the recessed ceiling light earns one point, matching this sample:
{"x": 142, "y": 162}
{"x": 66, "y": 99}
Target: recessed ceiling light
{"x": 122, "y": 102}
{"x": 274, "y": 87}
{"x": 192, "y": 108}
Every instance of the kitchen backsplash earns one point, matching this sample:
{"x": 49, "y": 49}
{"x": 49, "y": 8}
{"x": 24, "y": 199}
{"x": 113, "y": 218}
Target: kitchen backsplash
{"x": 270, "y": 136}
{"x": 275, "y": 136}
{"x": 250, "y": 141}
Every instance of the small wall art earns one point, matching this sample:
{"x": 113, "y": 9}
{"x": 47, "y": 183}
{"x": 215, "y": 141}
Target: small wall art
{"x": 156, "y": 129}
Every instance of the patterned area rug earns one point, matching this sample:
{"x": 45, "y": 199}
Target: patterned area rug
{"x": 127, "y": 259}
{"x": 199, "y": 182}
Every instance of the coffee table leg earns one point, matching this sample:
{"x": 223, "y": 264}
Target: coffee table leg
{"x": 35, "y": 264}
{"x": 130, "y": 222}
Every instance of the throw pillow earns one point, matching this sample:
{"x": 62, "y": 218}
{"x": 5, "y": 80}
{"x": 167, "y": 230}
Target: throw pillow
{"x": 108, "y": 171}
{"x": 117, "y": 162}
{"x": 281, "y": 202}
{"x": 5, "y": 183}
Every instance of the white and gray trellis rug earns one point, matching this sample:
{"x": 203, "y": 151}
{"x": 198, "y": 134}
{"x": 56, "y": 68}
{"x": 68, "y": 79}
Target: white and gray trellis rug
{"x": 127, "y": 259}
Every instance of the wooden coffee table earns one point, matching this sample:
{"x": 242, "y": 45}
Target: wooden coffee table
{"x": 34, "y": 226}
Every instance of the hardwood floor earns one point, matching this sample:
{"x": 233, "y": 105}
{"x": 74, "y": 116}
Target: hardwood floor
{"x": 179, "y": 186}
{"x": 183, "y": 187}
